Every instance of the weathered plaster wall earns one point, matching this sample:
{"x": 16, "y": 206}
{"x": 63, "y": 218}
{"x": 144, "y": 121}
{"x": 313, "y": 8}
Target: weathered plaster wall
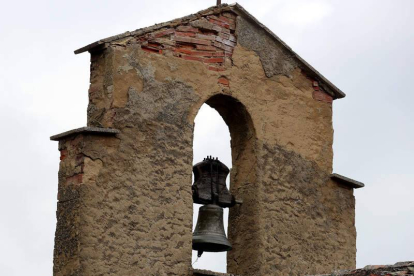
{"x": 136, "y": 214}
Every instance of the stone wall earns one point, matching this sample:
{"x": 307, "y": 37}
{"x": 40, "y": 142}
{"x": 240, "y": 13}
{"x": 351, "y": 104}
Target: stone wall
{"x": 135, "y": 217}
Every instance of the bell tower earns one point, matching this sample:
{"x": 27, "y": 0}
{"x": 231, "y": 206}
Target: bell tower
{"x": 125, "y": 194}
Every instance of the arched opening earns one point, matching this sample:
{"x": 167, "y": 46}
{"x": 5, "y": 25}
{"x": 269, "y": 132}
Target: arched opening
{"x": 211, "y": 137}
{"x": 243, "y": 223}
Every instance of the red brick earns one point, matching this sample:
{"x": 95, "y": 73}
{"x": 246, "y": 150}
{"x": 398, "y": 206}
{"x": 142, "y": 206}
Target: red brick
{"x": 191, "y": 58}
{"x": 185, "y": 34}
{"x": 151, "y": 50}
{"x": 218, "y": 22}
{"x": 63, "y": 154}
{"x": 187, "y": 29}
{"x": 142, "y": 38}
{"x": 224, "y": 81}
{"x": 322, "y": 96}
{"x": 183, "y": 50}
{"x": 224, "y": 19}
{"x": 163, "y": 33}
{"x": 230, "y": 22}
{"x": 228, "y": 54}
{"x": 192, "y": 40}
{"x": 213, "y": 60}
{"x": 206, "y": 48}
{"x": 191, "y": 47}
{"x": 153, "y": 45}
{"x": 217, "y": 69}
{"x": 207, "y": 54}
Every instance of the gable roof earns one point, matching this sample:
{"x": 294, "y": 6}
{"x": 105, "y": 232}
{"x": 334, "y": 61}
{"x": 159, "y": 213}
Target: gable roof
{"x": 239, "y": 10}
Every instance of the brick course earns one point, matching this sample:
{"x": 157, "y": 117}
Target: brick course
{"x": 213, "y": 38}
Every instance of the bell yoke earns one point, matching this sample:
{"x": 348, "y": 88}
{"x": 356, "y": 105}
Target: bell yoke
{"x": 210, "y": 189}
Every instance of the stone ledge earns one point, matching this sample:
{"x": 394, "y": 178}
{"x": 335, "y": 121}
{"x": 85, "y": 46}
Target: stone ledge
{"x": 202, "y": 272}
{"x": 400, "y": 268}
{"x": 85, "y": 130}
{"x": 347, "y": 181}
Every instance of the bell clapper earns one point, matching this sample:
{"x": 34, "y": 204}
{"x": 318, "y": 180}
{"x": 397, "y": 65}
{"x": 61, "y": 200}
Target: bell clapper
{"x": 199, "y": 253}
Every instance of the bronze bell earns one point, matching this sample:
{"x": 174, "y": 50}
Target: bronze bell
{"x": 209, "y": 233}
{"x": 209, "y": 188}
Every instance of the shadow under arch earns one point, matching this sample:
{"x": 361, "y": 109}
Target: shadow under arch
{"x": 243, "y": 226}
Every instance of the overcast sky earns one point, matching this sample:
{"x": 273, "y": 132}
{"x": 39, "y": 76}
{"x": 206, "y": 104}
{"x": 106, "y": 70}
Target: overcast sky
{"x": 363, "y": 47}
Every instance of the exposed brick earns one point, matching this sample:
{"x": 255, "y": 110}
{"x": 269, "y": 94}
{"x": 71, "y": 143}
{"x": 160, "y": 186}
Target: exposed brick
{"x": 219, "y": 23}
{"x": 154, "y": 45}
{"x": 206, "y": 37}
{"x": 207, "y": 54}
{"x": 225, "y": 19}
{"x": 204, "y": 24}
{"x": 191, "y": 58}
{"x": 151, "y": 50}
{"x": 231, "y": 23}
{"x": 217, "y": 69}
{"x": 213, "y": 60}
{"x": 224, "y": 81}
{"x": 228, "y": 54}
{"x": 187, "y": 46}
{"x": 222, "y": 46}
{"x": 163, "y": 41}
{"x": 224, "y": 35}
{"x": 322, "y": 96}
{"x": 225, "y": 41}
{"x": 206, "y": 48}
{"x": 63, "y": 154}
{"x": 192, "y": 40}
{"x": 190, "y": 34}
{"x": 142, "y": 38}
{"x": 187, "y": 29}
{"x": 183, "y": 50}
{"x": 224, "y": 30}
{"x": 162, "y": 33}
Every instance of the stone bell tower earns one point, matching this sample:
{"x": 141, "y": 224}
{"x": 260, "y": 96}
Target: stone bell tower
{"x": 125, "y": 199}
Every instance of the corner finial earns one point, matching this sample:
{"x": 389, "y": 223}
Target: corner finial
{"x": 218, "y": 2}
